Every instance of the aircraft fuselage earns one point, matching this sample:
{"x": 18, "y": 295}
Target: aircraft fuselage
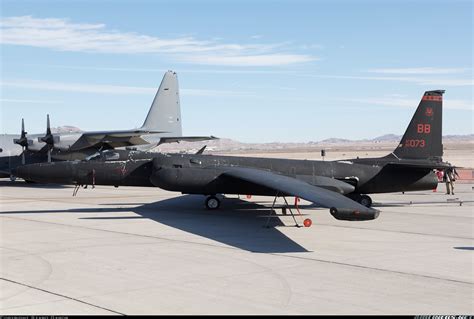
{"x": 202, "y": 174}
{"x": 199, "y": 174}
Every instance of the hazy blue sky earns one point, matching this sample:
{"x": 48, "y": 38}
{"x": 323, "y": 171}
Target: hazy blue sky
{"x": 255, "y": 71}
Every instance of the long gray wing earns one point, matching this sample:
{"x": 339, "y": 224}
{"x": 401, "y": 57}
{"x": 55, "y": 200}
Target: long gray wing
{"x": 111, "y": 138}
{"x": 294, "y": 187}
{"x": 177, "y": 139}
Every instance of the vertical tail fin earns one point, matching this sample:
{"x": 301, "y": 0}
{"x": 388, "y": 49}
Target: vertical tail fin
{"x": 423, "y": 137}
{"x": 165, "y": 111}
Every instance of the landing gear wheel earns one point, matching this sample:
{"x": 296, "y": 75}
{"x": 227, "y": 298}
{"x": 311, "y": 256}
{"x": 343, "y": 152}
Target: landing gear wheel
{"x": 212, "y": 202}
{"x": 365, "y": 200}
{"x": 12, "y": 178}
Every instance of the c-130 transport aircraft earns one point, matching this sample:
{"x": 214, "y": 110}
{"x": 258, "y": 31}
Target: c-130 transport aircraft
{"x": 163, "y": 124}
{"x": 342, "y": 186}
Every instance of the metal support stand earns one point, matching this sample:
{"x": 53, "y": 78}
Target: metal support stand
{"x": 76, "y": 189}
{"x": 271, "y": 211}
{"x": 284, "y": 209}
{"x": 93, "y": 178}
{"x": 291, "y": 212}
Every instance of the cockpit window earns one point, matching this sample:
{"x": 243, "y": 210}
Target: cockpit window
{"x": 111, "y": 156}
{"x": 107, "y": 155}
{"x": 94, "y": 157}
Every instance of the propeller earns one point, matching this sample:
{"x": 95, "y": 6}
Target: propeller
{"x": 23, "y": 141}
{"x": 49, "y": 138}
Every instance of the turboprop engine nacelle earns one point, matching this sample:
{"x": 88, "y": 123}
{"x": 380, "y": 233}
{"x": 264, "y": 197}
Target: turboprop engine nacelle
{"x": 36, "y": 146}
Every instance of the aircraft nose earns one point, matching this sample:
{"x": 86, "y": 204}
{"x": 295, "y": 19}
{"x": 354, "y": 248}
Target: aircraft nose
{"x": 21, "y": 171}
{"x": 32, "y": 172}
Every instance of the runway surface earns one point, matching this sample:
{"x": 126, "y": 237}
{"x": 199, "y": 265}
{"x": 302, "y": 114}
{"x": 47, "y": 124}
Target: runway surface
{"x": 148, "y": 251}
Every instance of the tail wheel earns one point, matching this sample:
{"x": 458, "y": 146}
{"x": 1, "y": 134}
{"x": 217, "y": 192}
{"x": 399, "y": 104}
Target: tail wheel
{"x": 212, "y": 202}
{"x": 365, "y": 201}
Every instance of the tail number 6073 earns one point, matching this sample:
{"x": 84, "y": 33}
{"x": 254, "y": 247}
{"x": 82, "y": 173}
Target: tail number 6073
{"x": 415, "y": 143}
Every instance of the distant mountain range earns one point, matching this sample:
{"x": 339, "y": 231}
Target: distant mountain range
{"x": 229, "y": 145}
{"x": 396, "y": 138}
{"x": 225, "y": 144}
{"x": 387, "y": 137}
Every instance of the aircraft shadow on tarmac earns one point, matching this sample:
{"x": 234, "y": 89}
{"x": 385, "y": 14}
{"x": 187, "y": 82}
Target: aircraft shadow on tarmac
{"x": 237, "y": 223}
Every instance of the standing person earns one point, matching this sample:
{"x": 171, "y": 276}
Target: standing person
{"x": 453, "y": 175}
{"x": 447, "y": 180}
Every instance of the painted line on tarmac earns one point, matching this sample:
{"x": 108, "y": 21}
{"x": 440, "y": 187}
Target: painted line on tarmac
{"x": 375, "y": 268}
{"x": 396, "y": 231}
{"x": 61, "y": 295}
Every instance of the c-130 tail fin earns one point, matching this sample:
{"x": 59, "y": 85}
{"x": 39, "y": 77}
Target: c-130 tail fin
{"x": 165, "y": 111}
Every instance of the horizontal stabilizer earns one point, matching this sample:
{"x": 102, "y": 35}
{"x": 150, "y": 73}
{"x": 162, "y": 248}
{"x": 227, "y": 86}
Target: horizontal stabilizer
{"x": 427, "y": 165}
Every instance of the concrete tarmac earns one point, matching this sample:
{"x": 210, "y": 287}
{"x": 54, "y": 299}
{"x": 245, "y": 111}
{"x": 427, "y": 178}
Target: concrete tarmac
{"x": 148, "y": 251}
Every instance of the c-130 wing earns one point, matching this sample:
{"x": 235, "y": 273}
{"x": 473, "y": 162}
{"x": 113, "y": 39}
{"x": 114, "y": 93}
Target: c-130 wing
{"x": 111, "y": 139}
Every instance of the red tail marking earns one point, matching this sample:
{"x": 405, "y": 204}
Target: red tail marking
{"x": 432, "y": 98}
{"x": 429, "y": 111}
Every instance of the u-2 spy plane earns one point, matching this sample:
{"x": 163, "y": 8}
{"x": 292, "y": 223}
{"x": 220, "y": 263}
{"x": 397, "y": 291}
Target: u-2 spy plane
{"x": 342, "y": 185}
{"x": 162, "y": 125}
